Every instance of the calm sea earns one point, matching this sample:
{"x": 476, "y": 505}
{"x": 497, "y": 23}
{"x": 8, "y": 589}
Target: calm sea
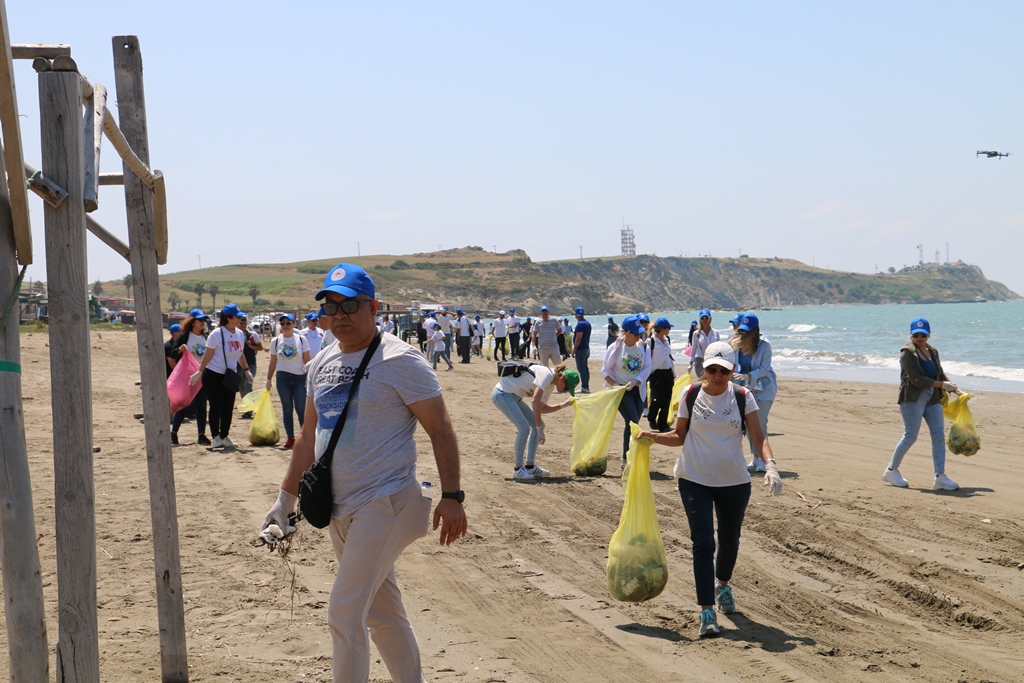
{"x": 982, "y": 344}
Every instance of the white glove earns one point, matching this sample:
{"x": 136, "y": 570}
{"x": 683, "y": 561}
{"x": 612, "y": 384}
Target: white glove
{"x": 740, "y": 377}
{"x": 950, "y": 388}
{"x": 248, "y": 377}
{"x": 194, "y": 378}
{"x": 540, "y": 434}
{"x": 632, "y": 384}
{"x": 278, "y": 514}
{"x": 267, "y": 385}
{"x": 772, "y": 480}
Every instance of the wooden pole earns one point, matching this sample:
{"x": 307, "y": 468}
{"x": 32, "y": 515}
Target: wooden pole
{"x": 17, "y": 196}
{"x": 94, "y": 111}
{"x": 131, "y": 108}
{"x": 23, "y": 586}
{"x": 60, "y": 115}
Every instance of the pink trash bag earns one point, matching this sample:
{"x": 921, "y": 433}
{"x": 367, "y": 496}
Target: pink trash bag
{"x": 179, "y": 391}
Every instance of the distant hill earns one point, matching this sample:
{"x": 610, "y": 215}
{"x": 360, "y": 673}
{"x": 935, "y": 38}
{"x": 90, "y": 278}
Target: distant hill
{"x": 480, "y": 280}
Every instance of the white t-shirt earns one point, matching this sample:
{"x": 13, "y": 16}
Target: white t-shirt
{"x": 289, "y": 352}
{"x": 233, "y": 344}
{"x": 713, "y": 450}
{"x": 500, "y": 327}
{"x": 387, "y": 326}
{"x": 513, "y": 323}
{"x": 525, "y": 384}
{"x": 465, "y": 325}
{"x": 444, "y": 321}
{"x": 702, "y": 341}
{"x": 438, "y": 338}
{"x": 327, "y": 340}
{"x": 628, "y": 365}
{"x": 314, "y": 336}
{"x": 196, "y": 345}
{"x": 661, "y": 354}
{"x": 566, "y": 328}
{"x": 478, "y": 329}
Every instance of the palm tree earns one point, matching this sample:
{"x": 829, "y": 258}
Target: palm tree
{"x": 214, "y": 291}
{"x": 186, "y": 304}
{"x": 128, "y": 281}
{"x": 254, "y": 292}
{"x": 97, "y": 288}
{"x": 199, "y": 288}
{"x": 173, "y": 300}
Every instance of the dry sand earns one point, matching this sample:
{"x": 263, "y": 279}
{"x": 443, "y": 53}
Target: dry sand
{"x": 843, "y": 578}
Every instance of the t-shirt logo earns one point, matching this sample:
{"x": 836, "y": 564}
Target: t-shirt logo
{"x": 288, "y": 352}
{"x": 198, "y": 350}
{"x": 632, "y": 364}
{"x": 337, "y": 274}
{"x": 330, "y": 401}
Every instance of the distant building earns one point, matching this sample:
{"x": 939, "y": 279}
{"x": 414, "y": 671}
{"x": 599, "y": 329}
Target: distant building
{"x": 628, "y": 245}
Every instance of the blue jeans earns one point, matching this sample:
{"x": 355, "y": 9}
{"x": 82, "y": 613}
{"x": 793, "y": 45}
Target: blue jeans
{"x": 448, "y": 348}
{"x": 292, "y": 390}
{"x": 763, "y": 408}
{"x": 521, "y": 415}
{"x": 701, "y": 503}
{"x": 583, "y": 366}
{"x": 630, "y": 408}
{"x": 912, "y": 415}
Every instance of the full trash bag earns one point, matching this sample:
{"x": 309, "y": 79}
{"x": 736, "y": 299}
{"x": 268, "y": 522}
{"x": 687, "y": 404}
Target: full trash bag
{"x": 264, "y": 430}
{"x": 591, "y": 429}
{"x": 637, "y": 570}
{"x": 179, "y": 391}
{"x": 678, "y": 387}
{"x": 963, "y": 437}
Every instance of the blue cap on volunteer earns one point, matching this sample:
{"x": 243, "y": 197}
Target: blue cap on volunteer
{"x": 704, "y": 313}
{"x": 611, "y": 317}
{"x": 477, "y": 316}
{"x": 198, "y": 314}
{"x": 632, "y": 324}
{"x": 693, "y": 323}
{"x": 231, "y": 311}
{"x": 175, "y": 328}
{"x": 920, "y": 325}
{"x": 286, "y": 316}
{"x": 543, "y": 308}
{"x": 748, "y": 322}
{"x": 662, "y": 323}
{"x": 459, "y": 311}
{"x": 579, "y": 311}
{"x": 348, "y": 280}
{"x": 312, "y": 316}
{"x": 736, "y": 318}
{"x": 433, "y": 315}
{"x": 643, "y": 317}
{"x": 511, "y": 311}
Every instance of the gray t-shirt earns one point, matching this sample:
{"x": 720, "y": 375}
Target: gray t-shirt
{"x": 376, "y": 453}
{"x": 547, "y": 333}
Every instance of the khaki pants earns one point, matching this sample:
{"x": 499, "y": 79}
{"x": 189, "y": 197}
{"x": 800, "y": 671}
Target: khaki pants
{"x": 365, "y": 593}
{"x": 550, "y": 354}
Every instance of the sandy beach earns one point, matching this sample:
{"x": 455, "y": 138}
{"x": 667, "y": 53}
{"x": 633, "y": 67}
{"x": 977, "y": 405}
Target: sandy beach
{"x": 842, "y": 578}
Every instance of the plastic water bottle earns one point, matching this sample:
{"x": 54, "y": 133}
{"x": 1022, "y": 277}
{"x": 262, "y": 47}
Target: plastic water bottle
{"x": 427, "y": 491}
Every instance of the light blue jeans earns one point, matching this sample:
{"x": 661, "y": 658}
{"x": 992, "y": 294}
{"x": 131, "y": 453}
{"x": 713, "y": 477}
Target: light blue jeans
{"x": 292, "y": 390}
{"x": 521, "y": 415}
{"x": 763, "y": 408}
{"x": 912, "y": 415}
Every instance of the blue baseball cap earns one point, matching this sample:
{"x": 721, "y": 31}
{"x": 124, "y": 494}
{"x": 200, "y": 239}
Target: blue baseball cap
{"x": 312, "y": 316}
{"x": 748, "y": 322}
{"x": 348, "y": 280}
{"x": 692, "y": 323}
{"x": 175, "y": 328}
{"x": 663, "y": 323}
{"x": 579, "y": 311}
{"x": 643, "y": 317}
{"x": 198, "y": 314}
{"x": 920, "y": 325}
{"x": 286, "y": 316}
{"x": 231, "y": 311}
{"x": 458, "y": 310}
{"x": 433, "y": 314}
{"x": 735, "y": 318}
{"x": 511, "y": 310}
{"x": 704, "y": 313}
{"x": 543, "y": 308}
{"x": 632, "y": 324}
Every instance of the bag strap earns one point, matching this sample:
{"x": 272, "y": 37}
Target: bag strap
{"x": 328, "y": 455}
{"x": 223, "y": 352}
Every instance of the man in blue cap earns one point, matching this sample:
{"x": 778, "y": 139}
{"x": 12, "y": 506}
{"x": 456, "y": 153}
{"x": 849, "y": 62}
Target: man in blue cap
{"x": 168, "y": 355}
{"x": 378, "y": 506}
{"x": 313, "y": 334}
{"x": 581, "y": 349}
{"x": 613, "y": 332}
{"x": 464, "y": 329}
{"x": 545, "y": 338}
{"x": 514, "y": 332}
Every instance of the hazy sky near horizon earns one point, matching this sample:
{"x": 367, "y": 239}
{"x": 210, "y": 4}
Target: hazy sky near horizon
{"x": 839, "y": 134}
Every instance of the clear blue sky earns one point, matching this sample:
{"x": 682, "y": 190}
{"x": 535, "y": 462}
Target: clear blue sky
{"x": 838, "y": 133}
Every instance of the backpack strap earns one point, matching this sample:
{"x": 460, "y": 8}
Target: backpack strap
{"x": 741, "y": 401}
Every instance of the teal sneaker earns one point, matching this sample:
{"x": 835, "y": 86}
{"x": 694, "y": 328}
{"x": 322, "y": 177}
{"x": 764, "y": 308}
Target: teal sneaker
{"x": 724, "y": 600}
{"x": 709, "y": 624}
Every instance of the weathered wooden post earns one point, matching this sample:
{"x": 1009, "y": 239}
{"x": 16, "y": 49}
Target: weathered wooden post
{"x": 60, "y": 114}
{"x": 145, "y": 246}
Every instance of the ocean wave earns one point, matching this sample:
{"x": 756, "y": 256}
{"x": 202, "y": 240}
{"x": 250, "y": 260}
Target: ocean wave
{"x": 810, "y": 357}
{"x": 801, "y": 328}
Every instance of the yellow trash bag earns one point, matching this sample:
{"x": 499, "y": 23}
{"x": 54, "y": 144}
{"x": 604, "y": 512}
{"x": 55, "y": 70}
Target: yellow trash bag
{"x": 963, "y": 437}
{"x": 591, "y": 429}
{"x": 677, "y": 395}
{"x": 490, "y": 342}
{"x": 637, "y": 570}
{"x": 264, "y": 430}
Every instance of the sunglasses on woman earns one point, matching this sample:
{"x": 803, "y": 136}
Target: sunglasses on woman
{"x": 717, "y": 370}
{"x": 348, "y": 306}
{"x": 287, "y": 322}
{"x": 919, "y": 335}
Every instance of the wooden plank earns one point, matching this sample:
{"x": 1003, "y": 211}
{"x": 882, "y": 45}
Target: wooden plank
{"x": 95, "y": 108}
{"x": 47, "y": 190}
{"x": 160, "y": 217}
{"x": 60, "y": 96}
{"x": 125, "y": 151}
{"x": 131, "y": 107}
{"x": 39, "y": 50}
{"x": 111, "y": 178}
{"x": 13, "y": 154}
{"x": 27, "y": 648}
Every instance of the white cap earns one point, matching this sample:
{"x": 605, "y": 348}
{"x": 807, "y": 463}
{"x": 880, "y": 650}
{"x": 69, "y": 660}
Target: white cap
{"x": 501, "y": 312}
{"x": 720, "y": 353}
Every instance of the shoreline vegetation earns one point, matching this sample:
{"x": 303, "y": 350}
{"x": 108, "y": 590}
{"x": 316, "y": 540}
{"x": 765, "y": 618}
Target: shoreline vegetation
{"x": 476, "y": 279}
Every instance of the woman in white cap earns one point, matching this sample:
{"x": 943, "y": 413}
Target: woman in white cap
{"x": 289, "y": 353}
{"x": 755, "y": 371}
{"x": 627, "y": 363}
{"x": 713, "y": 478}
{"x": 922, "y": 382}
{"x": 223, "y": 352}
{"x": 192, "y": 339}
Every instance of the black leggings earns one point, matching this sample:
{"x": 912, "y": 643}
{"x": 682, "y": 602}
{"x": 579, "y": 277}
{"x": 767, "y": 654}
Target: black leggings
{"x": 513, "y": 341}
{"x": 199, "y": 403}
{"x": 222, "y": 403}
{"x": 660, "y": 387}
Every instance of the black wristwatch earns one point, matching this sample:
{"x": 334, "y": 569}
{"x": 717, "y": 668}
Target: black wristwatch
{"x": 459, "y": 495}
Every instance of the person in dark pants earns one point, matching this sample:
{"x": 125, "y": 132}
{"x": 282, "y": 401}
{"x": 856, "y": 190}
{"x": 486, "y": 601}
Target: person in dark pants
{"x": 421, "y": 332}
{"x": 169, "y": 348}
{"x": 513, "y": 333}
{"x": 663, "y": 376}
{"x": 464, "y": 330}
{"x": 613, "y": 332}
{"x": 223, "y": 352}
{"x": 627, "y": 363}
{"x": 581, "y": 349}
{"x": 713, "y": 477}
{"x": 524, "y": 348}
{"x": 499, "y": 328}
{"x": 192, "y": 339}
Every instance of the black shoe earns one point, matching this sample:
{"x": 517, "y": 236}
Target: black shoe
{"x": 247, "y": 416}
{"x": 174, "y": 438}
{"x": 202, "y": 440}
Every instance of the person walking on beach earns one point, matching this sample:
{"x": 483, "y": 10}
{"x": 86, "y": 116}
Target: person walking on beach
{"x": 437, "y": 342}
{"x": 444, "y": 321}
{"x": 755, "y": 371}
{"x": 922, "y": 382}
{"x": 223, "y": 353}
{"x": 169, "y": 348}
{"x": 499, "y": 328}
{"x": 613, "y": 332}
{"x": 536, "y": 383}
{"x": 379, "y": 509}
{"x": 313, "y": 334}
{"x": 421, "y": 332}
{"x": 627, "y": 363}
{"x": 527, "y": 328}
{"x": 514, "y": 331}
{"x": 705, "y": 337}
{"x": 662, "y": 377}
{"x": 645, "y": 323}
{"x": 477, "y": 345}
{"x": 464, "y": 328}
{"x": 192, "y": 339}
{"x": 713, "y": 479}
{"x": 581, "y": 349}
{"x": 545, "y": 338}
{"x": 289, "y": 354}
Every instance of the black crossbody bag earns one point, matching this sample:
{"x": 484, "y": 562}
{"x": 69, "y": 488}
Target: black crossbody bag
{"x": 316, "y": 499}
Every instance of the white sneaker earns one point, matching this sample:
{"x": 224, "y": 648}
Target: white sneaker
{"x": 944, "y": 483}
{"x": 756, "y": 465}
{"x": 895, "y": 478}
{"x": 217, "y": 442}
{"x": 539, "y": 472}
{"x": 227, "y": 443}
{"x": 523, "y": 474}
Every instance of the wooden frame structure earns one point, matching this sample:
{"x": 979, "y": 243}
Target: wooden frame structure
{"x": 73, "y": 120}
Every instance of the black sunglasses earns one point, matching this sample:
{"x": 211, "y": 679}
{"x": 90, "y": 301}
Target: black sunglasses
{"x": 717, "y": 370}
{"x": 348, "y": 306}
{"x": 705, "y": 317}
{"x": 919, "y": 335}
{"x": 287, "y": 322}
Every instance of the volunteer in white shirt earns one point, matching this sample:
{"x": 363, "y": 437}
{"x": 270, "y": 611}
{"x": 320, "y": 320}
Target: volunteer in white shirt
{"x": 444, "y": 321}
{"x": 464, "y": 327}
{"x": 289, "y": 354}
{"x": 500, "y": 330}
{"x": 627, "y": 362}
{"x": 223, "y": 352}
{"x": 705, "y": 337}
{"x": 662, "y": 377}
{"x": 514, "y": 333}
{"x": 313, "y": 334}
